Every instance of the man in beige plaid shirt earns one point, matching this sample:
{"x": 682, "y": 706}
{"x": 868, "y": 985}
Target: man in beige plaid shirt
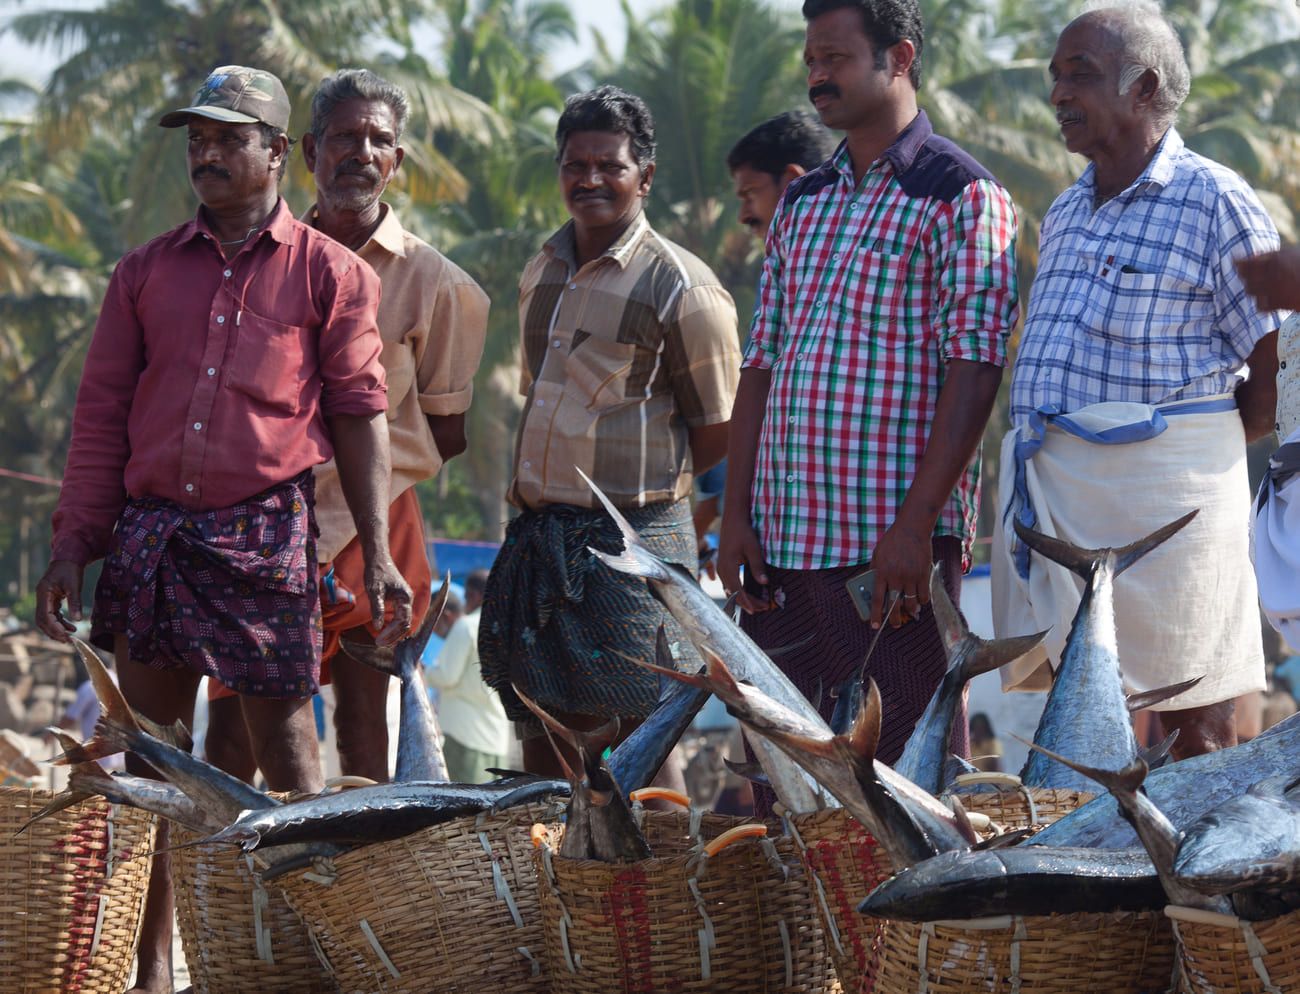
{"x": 630, "y": 362}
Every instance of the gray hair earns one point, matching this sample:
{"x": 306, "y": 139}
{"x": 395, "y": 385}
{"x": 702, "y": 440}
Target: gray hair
{"x": 356, "y": 84}
{"x": 1149, "y": 43}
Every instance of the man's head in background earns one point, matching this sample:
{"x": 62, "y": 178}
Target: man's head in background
{"x": 766, "y": 159}
{"x": 475, "y": 584}
{"x": 451, "y": 613}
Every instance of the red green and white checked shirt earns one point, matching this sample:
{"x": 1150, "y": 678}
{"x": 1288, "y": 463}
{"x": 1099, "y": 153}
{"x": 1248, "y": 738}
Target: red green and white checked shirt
{"x": 867, "y": 292}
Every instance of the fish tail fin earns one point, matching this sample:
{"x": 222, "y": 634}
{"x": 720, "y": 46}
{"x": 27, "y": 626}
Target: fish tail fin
{"x": 59, "y": 802}
{"x": 863, "y": 739}
{"x": 1156, "y": 755}
{"x": 752, "y": 772}
{"x": 1077, "y": 560}
{"x": 977, "y": 655}
{"x": 1127, "y": 556}
{"x": 635, "y": 558}
{"x": 552, "y": 727}
{"x": 668, "y": 673}
{"x": 117, "y": 727}
{"x": 991, "y": 654}
{"x": 1148, "y": 698}
{"x": 1126, "y": 781}
{"x": 403, "y": 659}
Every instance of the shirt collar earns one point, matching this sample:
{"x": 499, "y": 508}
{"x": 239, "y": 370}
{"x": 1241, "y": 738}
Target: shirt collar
{"x": 1158, "y": 172}
{"x": 900, "y": 155}
{"x": 389, "y": 236}
{"x": 561, "y": 245}
{"x": 279, "y": 226}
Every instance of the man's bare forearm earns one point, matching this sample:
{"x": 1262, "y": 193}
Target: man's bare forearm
{"x": 742, "y": 446}
{"x": 361, "y": 452}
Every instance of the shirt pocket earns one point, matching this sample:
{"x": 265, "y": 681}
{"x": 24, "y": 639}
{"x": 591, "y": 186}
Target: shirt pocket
{"x": 877, "y": 299}
{"x": 597, "y": 371}
{"x": 270, "y": 361}
{"x": 1159, "y": 316}
{"x": 398, "y": 360}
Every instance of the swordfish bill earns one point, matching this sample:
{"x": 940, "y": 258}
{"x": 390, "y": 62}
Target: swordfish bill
{"x": 419, "y": 741}
{"x": 1086, "y": 711}
{"x": 925, "y": 757}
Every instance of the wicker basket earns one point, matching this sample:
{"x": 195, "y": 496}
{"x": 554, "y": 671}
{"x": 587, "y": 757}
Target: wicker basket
{"x": 846, "y": 864}
{"x": 74, "y": 886}
{"x": 238, "y": 934}
{"x": 1224, "y": 955}
{"x": 1121, "y": 953}
{"x": 451, "y": 908}
{"x": 683, "y": 921}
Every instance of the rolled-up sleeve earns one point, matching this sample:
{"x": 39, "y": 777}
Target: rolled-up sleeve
{"x": 453, "y": 349}
{"x": 94, "y": 492}
{"x": 1242, "y": 228}
{"x": 765, "y": 328}
{"x": 703, "y": 354}
{"x": 352, "y": 377}
{"x": 977, "y": 299}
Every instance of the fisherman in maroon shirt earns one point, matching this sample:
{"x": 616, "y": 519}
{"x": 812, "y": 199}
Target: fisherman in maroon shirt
{"x": 232, "y": 355}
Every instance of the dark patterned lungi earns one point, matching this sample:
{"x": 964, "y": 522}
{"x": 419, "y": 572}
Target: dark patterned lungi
{"x": 555, "y": 618}
{"x": 229, "y": 593}
{"x": 907, "y": 663}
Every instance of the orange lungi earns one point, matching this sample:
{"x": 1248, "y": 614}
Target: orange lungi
{"x": 346, "y": 606}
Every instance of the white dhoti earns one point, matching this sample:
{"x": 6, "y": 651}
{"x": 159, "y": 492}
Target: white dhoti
{"x": 1276, "y": 541}
{"x": 1107, "y": 476}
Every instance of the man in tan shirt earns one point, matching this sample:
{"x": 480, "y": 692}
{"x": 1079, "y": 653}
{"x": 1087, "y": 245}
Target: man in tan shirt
{"x": 630, "y": 363}
{"x": 433, "y": 320}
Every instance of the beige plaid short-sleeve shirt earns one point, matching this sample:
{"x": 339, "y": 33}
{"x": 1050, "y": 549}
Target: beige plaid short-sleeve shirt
{"x": 433, "y": 322}
{"x": 620, "y": 358}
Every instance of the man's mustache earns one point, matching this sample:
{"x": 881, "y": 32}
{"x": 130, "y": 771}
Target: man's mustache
{"x": 357, "y": 169}
{"x": 823, "y": 90}
{"x": 199, "y": 172}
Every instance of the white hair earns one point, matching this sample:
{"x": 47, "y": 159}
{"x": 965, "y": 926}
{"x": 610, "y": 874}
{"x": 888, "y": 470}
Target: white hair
{"x": 1149, "y": 43}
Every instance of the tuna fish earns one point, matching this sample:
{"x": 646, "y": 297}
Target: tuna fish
{"x": 1248, "y": 842}
{"x": 1086, "y": 713}
{"x": 1185, "y": 790}
{"x": 925, "y": 757}
{"x": 709, "y": 628}
{"x": 1025, "y": 880}
{"x": 419, "y": 741}
{"x": 598, "y": 824}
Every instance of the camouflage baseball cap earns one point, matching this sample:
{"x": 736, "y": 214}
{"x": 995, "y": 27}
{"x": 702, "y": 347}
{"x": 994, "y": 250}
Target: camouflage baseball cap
{"x": 238, "y": 95}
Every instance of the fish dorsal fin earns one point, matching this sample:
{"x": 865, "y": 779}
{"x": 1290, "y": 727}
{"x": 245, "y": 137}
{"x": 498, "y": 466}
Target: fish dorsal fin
{"x": 1156, "y": 755}
{"x": 721, "y": 680}
{"x": 1149, "y": 698}
{"x": 952, "y": 626}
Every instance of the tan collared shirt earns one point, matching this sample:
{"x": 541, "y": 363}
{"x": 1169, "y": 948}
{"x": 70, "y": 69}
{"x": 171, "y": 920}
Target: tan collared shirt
{"x": 619, "y": 359}
{"x": 433, "y": 321}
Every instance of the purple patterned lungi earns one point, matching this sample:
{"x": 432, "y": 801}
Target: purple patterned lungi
{"x": 229, "y": 593}
{"x": 907, "y": 663}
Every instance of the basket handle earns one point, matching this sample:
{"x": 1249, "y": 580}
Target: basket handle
{"x": 751, "y": 830}
{"x": 661, "y": 794}
{"x": 344, "y": 783}
{"x": 997, "y": 779}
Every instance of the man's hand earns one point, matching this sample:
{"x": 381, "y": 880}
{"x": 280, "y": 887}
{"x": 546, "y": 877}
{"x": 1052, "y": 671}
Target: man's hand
{"x": 902, "y": 561}
{"x": 385, "y": 585}
{"x": 1272, "y": 278}
{"x": 62, "y": 581}
{"x": 738, "y": 546}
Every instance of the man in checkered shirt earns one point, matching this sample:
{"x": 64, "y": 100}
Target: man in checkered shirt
{"x": 878, "y": 341}
{"x": 1138, "y": 332}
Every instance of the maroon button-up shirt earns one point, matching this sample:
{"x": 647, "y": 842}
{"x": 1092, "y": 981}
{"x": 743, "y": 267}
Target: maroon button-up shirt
{"x": 209, "y": 379}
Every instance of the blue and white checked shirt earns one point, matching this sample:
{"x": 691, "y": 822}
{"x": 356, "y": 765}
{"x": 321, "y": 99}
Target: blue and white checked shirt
{"x": 1139, "y": 301}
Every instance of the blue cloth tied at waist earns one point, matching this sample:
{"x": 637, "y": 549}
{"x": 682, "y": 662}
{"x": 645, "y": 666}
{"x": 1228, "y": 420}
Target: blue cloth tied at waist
{"x": 1034, "y": 432}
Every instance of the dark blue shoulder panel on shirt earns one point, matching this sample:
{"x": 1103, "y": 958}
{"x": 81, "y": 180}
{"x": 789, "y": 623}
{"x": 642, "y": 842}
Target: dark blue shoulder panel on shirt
{"x": 811, "y": 182}
{"x": 941, "y": 170}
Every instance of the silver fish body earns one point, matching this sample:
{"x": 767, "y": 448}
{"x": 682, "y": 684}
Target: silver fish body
{"x": 1184, "y": 790}
{"x": 1018, "y": 881}
{"x": 925, "y": 756}
{"x": 419, "y": 739}
{"x": 1247, "y": 842}
{"x": 1086, "y": 715}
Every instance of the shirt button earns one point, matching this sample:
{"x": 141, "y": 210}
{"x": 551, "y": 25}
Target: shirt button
{"x": 527, "y": 464}
{"x": 853, "y": 206}
{"x": 799, "y": 357}
{"x": 1283, "y": 364}
{"x": 227, "y": 274}
{"x": 573, "y": 286}
{"x": 221, "y": 319}
{"x": 790, "y": 478}
{"x": 791, "y": 419}
{"x": 541, "y": 403}
{"x": 189, "y": 488}
{"x": 212, "y": 370}
{"x": 835, "y": 257}
{"x": 821, "y": 303}
{"x": 555, "y": 344}
{"x": 198, "y": 425}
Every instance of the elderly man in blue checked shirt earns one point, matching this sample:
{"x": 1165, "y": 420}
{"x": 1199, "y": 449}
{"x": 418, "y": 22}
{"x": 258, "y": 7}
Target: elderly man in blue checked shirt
{"x": 1140, "y": 332}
